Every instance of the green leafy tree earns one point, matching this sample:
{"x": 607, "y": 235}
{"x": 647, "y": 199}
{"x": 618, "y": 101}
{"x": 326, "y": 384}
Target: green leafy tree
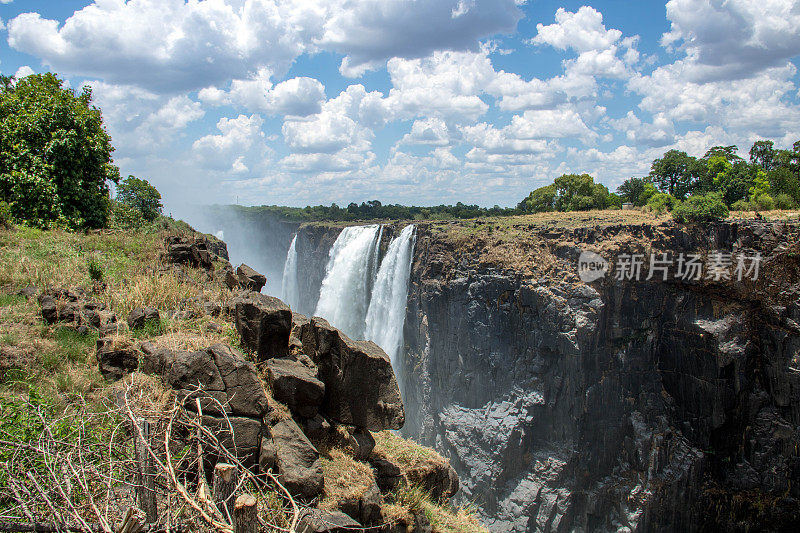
{"x": 55, "y": 155}
{"x": 540, "y": 200}
{"x": 784, "y": 181}
{"x": 763, "y": 154}
{"x": 660, "y": 202}
{"x": 760, "y": 186}
{"x": 676, "y": 173}
{"x": 577, "y": 192}
{"x": 138, "y": 194}
{"x": 636, "y": 191}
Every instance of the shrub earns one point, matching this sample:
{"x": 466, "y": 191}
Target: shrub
{"x": 95, "y": 269}
{"x": 701, "y": 208}
{"x": 741, "y": 205}
{"x": 784, "y": 201}
{"x": 764, "y": 202}
{"x": 5, "y": 215}
{"x": 661, "y": 202}
{"x": 125, "y": 217}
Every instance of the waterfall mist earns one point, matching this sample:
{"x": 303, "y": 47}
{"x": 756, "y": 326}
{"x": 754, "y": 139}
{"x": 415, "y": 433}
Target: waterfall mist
{"x": 387, "y": 309}
{"x": 290, "y": 290}
{"x": 344, "y": 296}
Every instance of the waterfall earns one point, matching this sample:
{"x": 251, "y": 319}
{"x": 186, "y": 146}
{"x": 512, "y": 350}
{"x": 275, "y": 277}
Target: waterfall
{"x": 290, "y": 291}
{"x": 387, "y": 309}
{"x": 344, "y": 296}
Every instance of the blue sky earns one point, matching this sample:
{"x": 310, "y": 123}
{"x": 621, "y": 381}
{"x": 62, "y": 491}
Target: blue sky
{"x": 412, "y": 101}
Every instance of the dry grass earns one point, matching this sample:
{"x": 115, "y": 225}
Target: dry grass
{"x": 406, "y": 454}
{"x": 345, "y": 478}
{"x": 444, "y": 518}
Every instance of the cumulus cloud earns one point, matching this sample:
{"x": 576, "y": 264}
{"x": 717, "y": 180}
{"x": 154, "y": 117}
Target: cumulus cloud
{"x": 171, "y": 45}
{"x": 300, "y": 96}
{"x": 236, "y": 137}
{"x": 734, "y": 39}
{"x": 430, "y": 131}
{"x": 597, "y": 47}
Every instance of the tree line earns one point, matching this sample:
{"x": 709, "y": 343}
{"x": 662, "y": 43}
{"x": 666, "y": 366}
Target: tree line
{"x": 691, "y": 188}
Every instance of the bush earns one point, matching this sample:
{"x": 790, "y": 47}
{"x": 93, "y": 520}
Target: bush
{"x": 701, "y": 208}
{"x": 741, "y": 205}
{"x": 784, "y": 201}
{"x": 764, "y": 202}
{"x": 5, "y": 215}
{"x": 125, "y": 217}
{"x": 661, "y": 202}
{"x": 95, "y": 269}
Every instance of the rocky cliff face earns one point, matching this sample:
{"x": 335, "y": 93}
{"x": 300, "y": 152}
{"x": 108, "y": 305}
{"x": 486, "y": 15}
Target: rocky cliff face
{"x": 615, "y": 405}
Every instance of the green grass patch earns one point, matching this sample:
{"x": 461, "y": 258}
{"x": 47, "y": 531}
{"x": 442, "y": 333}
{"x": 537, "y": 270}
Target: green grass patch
{"x": 10, "y": 300}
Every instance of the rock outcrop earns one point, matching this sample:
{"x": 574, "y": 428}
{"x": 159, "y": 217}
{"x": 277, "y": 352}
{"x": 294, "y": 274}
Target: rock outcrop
{"x": 360, "y": 386}
{"x": 74, "y": 307}
{"x": 264, "y": 324}
{"x": 192, "y": 252}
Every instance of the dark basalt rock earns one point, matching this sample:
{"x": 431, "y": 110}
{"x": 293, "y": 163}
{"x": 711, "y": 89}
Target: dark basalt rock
{"x": 140, "y": 316}
{"x": 387, "y": 474}
{"x": 296, "y": 385}
{"x": 114, "y": 363}
{"x": 645, "y": 405}
{"x": 185, "y": 251}
{"x": 249, "y": 279}
{"x": 296, "y": 459}
{"x": 264, "y": 324}
{"x": 360, "y": 386}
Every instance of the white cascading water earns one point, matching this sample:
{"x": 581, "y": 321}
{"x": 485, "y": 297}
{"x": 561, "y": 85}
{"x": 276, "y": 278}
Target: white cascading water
{"x": 290, "y": 290}
{"x": 387, "y": 309}
{"x": 344, "y": 296}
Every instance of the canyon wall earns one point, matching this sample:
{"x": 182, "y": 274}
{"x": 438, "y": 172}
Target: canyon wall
{"x": 616, "y": 405}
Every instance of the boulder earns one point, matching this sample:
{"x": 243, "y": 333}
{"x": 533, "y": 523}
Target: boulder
{"x": 319, "y": 521}
{"x": 113, "y": 362}
{"x": 365, "y": 508}
{"x": 264, "y": 324}
{"x": 361, "y": 443}
{"x": 228, "y": 382}
{"x": 317, "y": 429}
{"x": 28, "y": 292}
{"x": 249, "y": 279}
{"x": 140, "y": 316}
{"x": 387, "y": 474}
{"x": 360, "y": 385}
{"x": 438, "y": 478}
{"x": 244, "y": 390}
{"x": 297, "y": 460}
{"x": 184, "y": 251}
{"x": 49, "y": 308}
{"x": 238, "y": 434}
{"x": 294, "y": 384}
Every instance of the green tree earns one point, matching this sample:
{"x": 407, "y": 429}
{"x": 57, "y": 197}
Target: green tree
{"x": 763, "y": 154}
{"x": 55, "y": 155}
{"x": 140, "y": 195}
{"x": 676, "y": 173}
{"x": 539, "y": 201}
{"x": 636, "y": 191}
{"x": 577, "y": 192}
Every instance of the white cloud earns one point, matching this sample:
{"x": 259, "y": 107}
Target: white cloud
{"x": 734, "y": 39}
{"x": 227, "y": 149}
{"x": 23, "y": 71}
{"x": 431, "y": 131}
{"x": 297, "y": 96}
{"x": 597, "y": 47}
{"x": 172, "y": 45}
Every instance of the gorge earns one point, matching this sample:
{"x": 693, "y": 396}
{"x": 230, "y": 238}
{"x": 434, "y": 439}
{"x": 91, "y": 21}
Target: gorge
{"x": 615, "y": 405}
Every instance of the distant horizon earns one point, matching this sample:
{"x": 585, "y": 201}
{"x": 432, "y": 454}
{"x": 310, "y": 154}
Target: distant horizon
{"x": 419, "y": 104}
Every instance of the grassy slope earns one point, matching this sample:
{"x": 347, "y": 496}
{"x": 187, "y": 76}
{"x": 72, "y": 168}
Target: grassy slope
{"x": 54, "y": 366}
